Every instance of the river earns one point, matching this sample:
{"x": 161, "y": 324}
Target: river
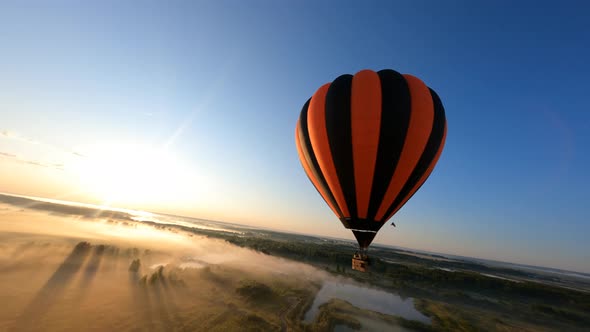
{"x": 366, "y": 298}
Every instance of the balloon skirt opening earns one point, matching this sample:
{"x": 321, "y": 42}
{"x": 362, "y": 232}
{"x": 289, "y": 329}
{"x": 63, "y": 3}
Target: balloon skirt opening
{"x": 364, "y": 239}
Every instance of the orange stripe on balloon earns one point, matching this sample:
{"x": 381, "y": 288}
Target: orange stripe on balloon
{"x": 421, "y": 119}
{"x": 318, "y": 135}
{"x": 308, "y": 170}
{"x": 424, "y": 176}
{"x": 365, "y": 116}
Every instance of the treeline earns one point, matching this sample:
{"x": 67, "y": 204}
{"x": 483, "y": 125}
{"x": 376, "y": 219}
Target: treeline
{"x": 402, "y": 274}
{"x": 473, "y": 281}
{"x": 415, "y": 276}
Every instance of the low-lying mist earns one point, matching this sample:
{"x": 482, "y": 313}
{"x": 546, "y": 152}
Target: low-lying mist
{"x": 74, "y": 268}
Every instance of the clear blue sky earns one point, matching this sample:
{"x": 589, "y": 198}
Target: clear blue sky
{"x": 218, "y": 85}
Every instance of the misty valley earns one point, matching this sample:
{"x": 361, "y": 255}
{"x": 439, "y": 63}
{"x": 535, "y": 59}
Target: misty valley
{"x": 80, "y": 268}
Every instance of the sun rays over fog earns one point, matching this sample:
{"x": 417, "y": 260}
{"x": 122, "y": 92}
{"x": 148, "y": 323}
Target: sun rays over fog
{"x": 133, "y": 174}
{"x": 121, "y": 172}
{"x": 71, "y": 265}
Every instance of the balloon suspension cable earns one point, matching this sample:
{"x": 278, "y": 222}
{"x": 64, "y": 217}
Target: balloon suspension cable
{"x": 360, "y": 260}
{"x": 363, "y": 251}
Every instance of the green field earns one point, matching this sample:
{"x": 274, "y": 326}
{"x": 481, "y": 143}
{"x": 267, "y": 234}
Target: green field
{"x": 463, "y": 299}
{"x": 67, "y": 269}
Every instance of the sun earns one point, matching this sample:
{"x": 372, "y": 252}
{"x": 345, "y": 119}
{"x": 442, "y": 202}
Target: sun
{"x": 132, "y": 174}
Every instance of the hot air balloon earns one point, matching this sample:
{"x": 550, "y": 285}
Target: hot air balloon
{"x": 368, "y": 142}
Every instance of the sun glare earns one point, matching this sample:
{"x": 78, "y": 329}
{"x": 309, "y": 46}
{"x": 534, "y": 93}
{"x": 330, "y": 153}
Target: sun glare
{"x": 132, "y": 174}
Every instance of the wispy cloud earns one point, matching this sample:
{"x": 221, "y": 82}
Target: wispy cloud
{"x": 40, "y": 164}
{"x": 9, "y": 134}
{"x": 15, "y": 158}
{"x": 9, "y": 155}
{"x": 14, "y": 136}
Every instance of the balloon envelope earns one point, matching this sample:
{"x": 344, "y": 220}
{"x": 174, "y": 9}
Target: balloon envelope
{"x": 368, "y": 142}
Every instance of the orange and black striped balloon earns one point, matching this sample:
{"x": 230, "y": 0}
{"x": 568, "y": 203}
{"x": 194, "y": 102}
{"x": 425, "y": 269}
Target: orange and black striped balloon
{"x": 367, "y": 142}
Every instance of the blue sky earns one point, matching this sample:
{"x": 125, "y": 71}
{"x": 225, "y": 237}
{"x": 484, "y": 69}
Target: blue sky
{"x": 215, "y": 88}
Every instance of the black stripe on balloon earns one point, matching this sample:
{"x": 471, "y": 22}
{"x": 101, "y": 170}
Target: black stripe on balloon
{"x": 395, "y": 119}
{"x": 364, "y": 239}
{"x": 311, "y": 160}
{"x": 361, "y": 223}
{"x": 427, "y": 158}
{"x": 339, "y": 129}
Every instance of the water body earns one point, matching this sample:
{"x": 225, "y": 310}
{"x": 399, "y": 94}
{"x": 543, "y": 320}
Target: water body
{"x": 365, "y": 298}
{"x": 371, "y": 325}
{"x": 343, "y": 328}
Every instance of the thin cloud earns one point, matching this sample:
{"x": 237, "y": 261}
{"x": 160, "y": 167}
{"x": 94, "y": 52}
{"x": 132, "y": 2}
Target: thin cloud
{"x": 15, "y": 158}
{"x": 40, "y": 164}
{"x": 8, "y": 134}
{"x": 9, "y": 155}
{"x": 11, "y": 135}
{"x": 14, "y": 136}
